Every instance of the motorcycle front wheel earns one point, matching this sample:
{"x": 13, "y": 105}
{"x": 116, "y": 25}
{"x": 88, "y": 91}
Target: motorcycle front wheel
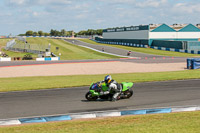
{"x": 89, "y": 97}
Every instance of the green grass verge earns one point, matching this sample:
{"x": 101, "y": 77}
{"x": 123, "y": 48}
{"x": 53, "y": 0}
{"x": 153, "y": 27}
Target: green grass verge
{"x": 185, "y": 122}
{"x": 145, "y": 50}
{"x": 35, "y": 83}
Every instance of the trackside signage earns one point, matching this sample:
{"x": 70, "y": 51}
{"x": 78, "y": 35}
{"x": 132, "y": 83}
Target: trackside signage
{"x": 132, "y": 28}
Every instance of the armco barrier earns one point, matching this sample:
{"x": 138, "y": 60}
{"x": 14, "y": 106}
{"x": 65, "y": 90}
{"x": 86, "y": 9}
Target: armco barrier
{"x": 193, "y": 63}
{"x": 97, "y": 114}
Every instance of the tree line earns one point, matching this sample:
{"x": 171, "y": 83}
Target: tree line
{"x": 63, "y": 32}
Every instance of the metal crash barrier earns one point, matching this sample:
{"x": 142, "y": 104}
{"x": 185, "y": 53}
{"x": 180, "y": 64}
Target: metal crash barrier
{"x": 193, "y": 63}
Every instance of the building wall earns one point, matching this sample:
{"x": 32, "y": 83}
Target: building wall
{"x": 162, "y": 35}
{"x": 140, "y": 34}
{"x": 176, "y": 36}
{"x": 191, "y": 35}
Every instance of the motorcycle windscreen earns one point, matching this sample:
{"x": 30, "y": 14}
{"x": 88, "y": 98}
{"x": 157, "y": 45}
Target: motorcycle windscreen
{"x": 95, "y": 87}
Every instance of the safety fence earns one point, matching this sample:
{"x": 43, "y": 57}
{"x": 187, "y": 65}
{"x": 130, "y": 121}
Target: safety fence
{"x": 10, "y": 44}
{"x": 23, "y": 46}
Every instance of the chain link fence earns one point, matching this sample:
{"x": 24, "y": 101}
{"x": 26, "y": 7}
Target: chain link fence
{"x": 21, "y": 45}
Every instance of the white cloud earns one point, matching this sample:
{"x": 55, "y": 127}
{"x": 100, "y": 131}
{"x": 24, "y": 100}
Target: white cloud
{"x": 81, "y": 16}
{"x": 151, "y": 3}
{"x": 186, "y": 8}
{"x": 45, "y": 2}
{"x": 99, "y": 21}
{"x": 35, "y": 14}
{"x": 17, "y": 2}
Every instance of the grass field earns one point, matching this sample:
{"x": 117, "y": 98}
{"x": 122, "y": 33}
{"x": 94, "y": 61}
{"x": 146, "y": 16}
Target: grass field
{"x": 185, "y": 122}
{"x": 3, "y": 42}
{"x": 145, "y": 50}
{"x": 34, "y": 83}
{"x": 68, "y": 51}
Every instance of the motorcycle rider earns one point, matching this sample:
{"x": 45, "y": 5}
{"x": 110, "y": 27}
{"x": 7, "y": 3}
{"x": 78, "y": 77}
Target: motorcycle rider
{"x": 112, "y": 86}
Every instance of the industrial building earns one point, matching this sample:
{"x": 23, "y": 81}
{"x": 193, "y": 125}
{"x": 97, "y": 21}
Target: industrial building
{"x": 178, "y": 36}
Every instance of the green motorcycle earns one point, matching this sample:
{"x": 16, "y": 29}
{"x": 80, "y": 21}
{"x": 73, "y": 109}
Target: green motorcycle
{"x": 96, "y": 88}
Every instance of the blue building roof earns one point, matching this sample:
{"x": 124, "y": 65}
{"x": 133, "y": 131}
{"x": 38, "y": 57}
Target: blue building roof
{"x": 189, "y": 28}
{"x": 163, "y": 28}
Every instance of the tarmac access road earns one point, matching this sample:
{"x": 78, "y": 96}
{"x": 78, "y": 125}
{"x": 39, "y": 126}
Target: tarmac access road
{"x": 72, "y": 100}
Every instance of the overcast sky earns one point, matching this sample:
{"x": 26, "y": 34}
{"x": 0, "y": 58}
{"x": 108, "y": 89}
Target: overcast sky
{"x": 18, "y": 16}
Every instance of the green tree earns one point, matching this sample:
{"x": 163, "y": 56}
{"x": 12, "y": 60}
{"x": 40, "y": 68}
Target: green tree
{"x": 29, "y": 33}
{"x": 46, "y": 34}
{"x": 35, "y": 34}
{"x": 22, "y": 35}
{"x": 52, "y": 32}
{"x": 99, "y": 32}
{"x": 82, "y": 32}
{"x": 63, "y": 32}
{"x": 69, "y": 33}
{"x": 55, "y": 33}
{"x": 40, "y": 33}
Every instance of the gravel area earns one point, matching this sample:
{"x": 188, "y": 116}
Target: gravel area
{"x": 88, "y": 68}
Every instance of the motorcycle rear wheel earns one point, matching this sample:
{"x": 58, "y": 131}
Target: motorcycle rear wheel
{"x": 128, "y": 93}
{"x": 89, "y": 97}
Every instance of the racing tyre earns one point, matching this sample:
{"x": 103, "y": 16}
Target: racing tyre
{"x": 128, "y": 93}
{"x": 89, "y": 97}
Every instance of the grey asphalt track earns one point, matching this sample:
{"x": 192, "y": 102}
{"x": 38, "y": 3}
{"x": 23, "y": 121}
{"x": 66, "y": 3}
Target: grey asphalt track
{"x": 110, "y": 49}
{"x": 72, "y": 100}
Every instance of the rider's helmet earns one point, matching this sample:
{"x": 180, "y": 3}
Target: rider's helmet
{"x": 107, "y": 79}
